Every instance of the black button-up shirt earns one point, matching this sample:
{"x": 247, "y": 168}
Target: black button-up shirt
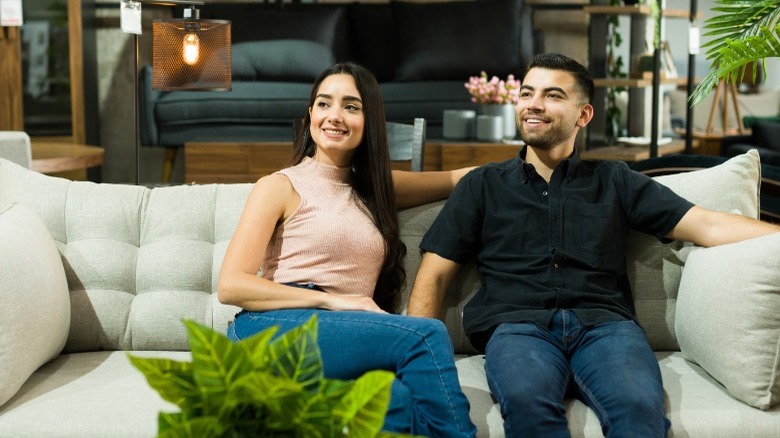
{"x": 542, "y": 247}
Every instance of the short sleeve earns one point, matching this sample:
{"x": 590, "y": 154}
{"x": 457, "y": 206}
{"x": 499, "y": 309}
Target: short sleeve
{"x": 455, "y": 234}
{"x": 651, "y": 207}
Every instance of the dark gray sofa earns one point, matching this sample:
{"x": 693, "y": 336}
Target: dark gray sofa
{"x": 422, "y": 54}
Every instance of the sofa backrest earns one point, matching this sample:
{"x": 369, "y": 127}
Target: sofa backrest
{"x": 139, "y": 260}
{"x": 654, "y": 269}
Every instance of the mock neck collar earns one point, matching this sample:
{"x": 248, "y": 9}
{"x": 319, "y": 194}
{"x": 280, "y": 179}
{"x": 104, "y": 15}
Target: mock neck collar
{"x": 332, "y": 173}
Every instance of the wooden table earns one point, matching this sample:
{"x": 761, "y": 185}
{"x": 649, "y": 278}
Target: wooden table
{"x": 631, "y": 153}
{"x": 65, "y": 159}
{"x": 710, "y": 141}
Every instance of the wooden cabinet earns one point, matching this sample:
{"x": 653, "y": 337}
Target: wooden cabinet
{"x": 57, "y": 91}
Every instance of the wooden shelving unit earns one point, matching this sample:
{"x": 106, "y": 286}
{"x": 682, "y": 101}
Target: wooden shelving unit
{"x": 641, "y": 17}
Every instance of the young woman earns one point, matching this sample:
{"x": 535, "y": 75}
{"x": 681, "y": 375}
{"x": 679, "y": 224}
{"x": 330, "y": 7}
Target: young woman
{"x": 324, "y": 233}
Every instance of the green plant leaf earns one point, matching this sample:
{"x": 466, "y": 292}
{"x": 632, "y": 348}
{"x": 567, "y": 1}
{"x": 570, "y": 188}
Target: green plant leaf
{"x": 743, "y": 31}
{"x": 217, "y": 362}
{"x": 362, "y": 410}
{"x": 200, "y": 427}
{"x": 295, "y": 355}
{"x": 261, "y": 387}
{"x": 171, "y": 379}
{"x": 256, "y": 347}
{"x": 734, "y": 57}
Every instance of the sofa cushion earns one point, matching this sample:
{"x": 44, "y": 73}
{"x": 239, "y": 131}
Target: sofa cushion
{"x": 248, "y": 103}
{"x": 655, "y": 268}
{"x": 35, "y": 313}
{"x": 137, "y": 260}
{"x": 280, "y": 60}
{"x": 324, "y": 24}
{"x": 455, "y": 40}
{"x": 728, "y": 317}
{"x": 373, "y": 35}
{"x": 767, "y": 135}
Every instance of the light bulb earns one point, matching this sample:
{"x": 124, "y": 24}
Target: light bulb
{"x": 191, "y": 51}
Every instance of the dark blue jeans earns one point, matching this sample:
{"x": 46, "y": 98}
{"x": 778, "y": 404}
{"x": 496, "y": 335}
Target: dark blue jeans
{"x": 610, "y": 367}
{"x": 426, "y": 396}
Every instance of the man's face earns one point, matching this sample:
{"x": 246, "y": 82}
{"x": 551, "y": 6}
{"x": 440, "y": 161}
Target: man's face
{"x": 550, "y": 109}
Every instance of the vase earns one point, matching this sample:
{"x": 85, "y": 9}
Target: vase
{"x": 507, "y": 112}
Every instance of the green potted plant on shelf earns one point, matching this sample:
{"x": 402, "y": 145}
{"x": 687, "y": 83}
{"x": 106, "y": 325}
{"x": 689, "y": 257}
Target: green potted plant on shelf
{"x": 263, "y": 386}
{"x": 744, "y": 32}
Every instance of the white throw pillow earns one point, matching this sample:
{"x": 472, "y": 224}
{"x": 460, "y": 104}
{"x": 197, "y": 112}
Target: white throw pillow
{"x": 655, "y": 269}
{"x": 728, "y": 317}
{"x": 35, "y": 310}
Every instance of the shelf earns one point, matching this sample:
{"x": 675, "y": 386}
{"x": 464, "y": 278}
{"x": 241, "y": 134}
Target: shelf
{"x": 636, "y": 82}
{"x": 633, "y": 10}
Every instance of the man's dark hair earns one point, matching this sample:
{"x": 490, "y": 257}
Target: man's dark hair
{"x": 556, "y": 61}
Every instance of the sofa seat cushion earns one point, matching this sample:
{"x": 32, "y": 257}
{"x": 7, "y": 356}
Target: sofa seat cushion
{"x": 34, "y": 309}
{"x": 728, "y": 317}
{"x": 407, "y": 100}
{"x": 696, "y": 404}
{"x": 247, "y": 103}
{"x": 98, "y": 394}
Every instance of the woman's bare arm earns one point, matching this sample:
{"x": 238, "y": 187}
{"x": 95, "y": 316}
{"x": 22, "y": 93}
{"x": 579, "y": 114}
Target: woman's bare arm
{"x": 272, "y": 200}
{"x": 416, "y": 188}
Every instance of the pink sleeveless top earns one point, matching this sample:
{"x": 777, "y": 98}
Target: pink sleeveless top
{"x": 330, "y": 239}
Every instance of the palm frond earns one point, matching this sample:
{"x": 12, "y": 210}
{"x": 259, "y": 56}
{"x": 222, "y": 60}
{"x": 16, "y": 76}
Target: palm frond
{"x": 743, "y": 32}
{"x": 738, "y": 19}
{"x": 735, "y": 57}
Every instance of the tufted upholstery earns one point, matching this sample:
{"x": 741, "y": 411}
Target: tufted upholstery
{"x": 137, "y": 260}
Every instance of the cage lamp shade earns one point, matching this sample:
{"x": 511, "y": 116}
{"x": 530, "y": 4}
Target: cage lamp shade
{"x": 191, "y": 54}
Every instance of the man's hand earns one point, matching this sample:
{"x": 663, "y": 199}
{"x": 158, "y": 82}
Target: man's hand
{"x": 432, "y": 280}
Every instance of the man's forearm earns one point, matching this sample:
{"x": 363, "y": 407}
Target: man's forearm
{"x": 425, "y": 300}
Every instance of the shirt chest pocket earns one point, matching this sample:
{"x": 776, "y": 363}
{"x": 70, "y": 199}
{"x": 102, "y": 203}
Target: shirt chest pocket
{"x": 596, "y": 229}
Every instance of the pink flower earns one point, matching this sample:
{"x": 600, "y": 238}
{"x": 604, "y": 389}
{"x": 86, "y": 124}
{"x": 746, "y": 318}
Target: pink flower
{"x": 493, "y": 91}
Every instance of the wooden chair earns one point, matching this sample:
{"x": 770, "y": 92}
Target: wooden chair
{"x": 15, "y": 146}
{"x": 407, "y": 143}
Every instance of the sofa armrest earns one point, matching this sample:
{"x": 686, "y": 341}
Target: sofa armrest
{"x": 146, "y": 101}
{"x": 35, "y": 311}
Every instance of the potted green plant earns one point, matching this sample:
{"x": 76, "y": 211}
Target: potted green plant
{"x": 744, "y": 32}
{"x": 263, "y": 387}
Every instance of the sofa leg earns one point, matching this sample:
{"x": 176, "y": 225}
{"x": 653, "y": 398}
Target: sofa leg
{"x": 170, "y": 158}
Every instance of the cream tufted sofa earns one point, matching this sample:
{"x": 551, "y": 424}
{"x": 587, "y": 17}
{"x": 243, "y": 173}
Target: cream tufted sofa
{"x": 91, "y": 271}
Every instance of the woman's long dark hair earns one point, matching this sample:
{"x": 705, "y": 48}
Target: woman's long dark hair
{"x": 372, "y": 179}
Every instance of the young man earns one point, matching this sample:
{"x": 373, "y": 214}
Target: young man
{"x": 548, "y": 231}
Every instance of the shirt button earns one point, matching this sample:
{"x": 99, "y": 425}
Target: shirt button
{"x": 555, "y": 266}
{"x": 544, "y": 193}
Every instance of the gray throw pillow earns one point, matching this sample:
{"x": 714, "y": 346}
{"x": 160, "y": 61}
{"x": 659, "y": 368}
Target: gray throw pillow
{"x": 280, "y": 60}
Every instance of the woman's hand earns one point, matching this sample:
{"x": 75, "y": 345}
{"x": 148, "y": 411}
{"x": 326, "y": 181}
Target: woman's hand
{"x": 352, "y": 302}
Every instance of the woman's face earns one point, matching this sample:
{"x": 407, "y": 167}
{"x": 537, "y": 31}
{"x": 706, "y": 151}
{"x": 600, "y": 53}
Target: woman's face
{"x": 337, "y": 120}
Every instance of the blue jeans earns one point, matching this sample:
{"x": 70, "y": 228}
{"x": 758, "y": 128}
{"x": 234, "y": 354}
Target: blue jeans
{"x": 609, "y": 366}
{"x": 426, "y": 397}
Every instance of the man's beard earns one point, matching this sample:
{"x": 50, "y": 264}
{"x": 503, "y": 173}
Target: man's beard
{"x": 554, "y": 136}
